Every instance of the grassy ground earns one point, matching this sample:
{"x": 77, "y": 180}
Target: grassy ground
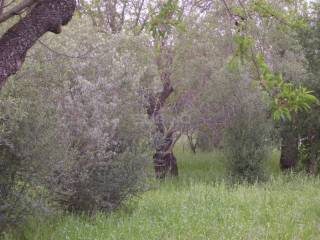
{"x": 200, "y": 205}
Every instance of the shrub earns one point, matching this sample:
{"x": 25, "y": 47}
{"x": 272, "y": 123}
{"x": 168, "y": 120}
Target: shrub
{"x": 99, "y": 185}
{"x": 247, "y": 141}
{"x": 23, "y": 148}
{"x": 23, "y": 151}
{"x": 80, "y": 135}
{"x": 8, "y": 169}
{"x": 101, "y": 119}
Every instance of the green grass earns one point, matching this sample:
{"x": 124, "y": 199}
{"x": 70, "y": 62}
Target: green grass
{"x": 201, "y": 167}
{"x": 200, "y": 205}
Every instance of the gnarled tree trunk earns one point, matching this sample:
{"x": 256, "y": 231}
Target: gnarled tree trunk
{"x": 165, "y": 163}
{"x": 45, "y": 16}
{"x": 164, "y": 160}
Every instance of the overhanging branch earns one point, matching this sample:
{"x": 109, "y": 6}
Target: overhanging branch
{"x": 45, "y": 16}
{"x": 5, "y": 15}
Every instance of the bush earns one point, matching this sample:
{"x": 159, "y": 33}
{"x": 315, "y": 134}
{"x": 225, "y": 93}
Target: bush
{"x": 247, "y": 141}
{"x": 19, "y": 196}
{"x": 80, "y": 135}
{"x": 8, "y": 169}
{"x": 99, "y": 185}
{"x": 101, "y": 119}
{"x": 24, "y": 150}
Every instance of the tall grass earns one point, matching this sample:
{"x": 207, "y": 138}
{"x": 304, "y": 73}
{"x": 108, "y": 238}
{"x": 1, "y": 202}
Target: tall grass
{"x": 200, "y": 205}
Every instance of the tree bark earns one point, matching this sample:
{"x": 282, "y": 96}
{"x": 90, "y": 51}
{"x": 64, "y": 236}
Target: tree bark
{"x": 313, "y": 147}
{"x": 312, "y": 163}
{"x": 45, "y": 16}
{"x": 4, "y": 16}
{"x": 165, "y": 163}
{"x": 289, "y": 148}
{"x": 1, "y": 6}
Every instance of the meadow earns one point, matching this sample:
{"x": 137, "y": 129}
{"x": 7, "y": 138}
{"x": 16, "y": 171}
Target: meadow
{"x": 200, "y": 204}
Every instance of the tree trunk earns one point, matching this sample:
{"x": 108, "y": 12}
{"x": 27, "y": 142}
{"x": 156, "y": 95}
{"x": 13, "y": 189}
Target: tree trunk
{"x": 164, "y": 160}
{"x": 312, "y": 164}
{"x": 289, "y": 148}
{"x": 1, "y": 6}
{"x": 45, "y": 16}
{"x": 313, "y": 147}
{"x": 165, "y": 163}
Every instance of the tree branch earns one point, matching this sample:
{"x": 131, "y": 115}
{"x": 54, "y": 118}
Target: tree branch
{"x": 15, "y": 10}
{"x": 45, "y": 16}
{"x": 1, "y": 6}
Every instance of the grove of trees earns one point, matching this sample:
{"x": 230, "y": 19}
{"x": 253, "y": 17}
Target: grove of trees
{"x": 85, "y": 114}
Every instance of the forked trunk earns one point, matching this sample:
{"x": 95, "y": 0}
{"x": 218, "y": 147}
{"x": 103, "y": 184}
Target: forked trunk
{"x": 165, "y": 163}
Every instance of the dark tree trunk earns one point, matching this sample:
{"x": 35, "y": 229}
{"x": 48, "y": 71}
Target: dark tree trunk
{"x": 165, "y": 163}
{"x": 312, "y": 145}
{"x": 312, "y": 164}
{"x": 45, "y": 16}
{"x": 289, "y": 148}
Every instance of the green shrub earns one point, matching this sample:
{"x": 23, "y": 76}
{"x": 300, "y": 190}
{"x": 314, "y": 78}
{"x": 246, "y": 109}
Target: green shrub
{"x": 93, "y": 186}
{"x": 246, "y": 141}
{"x": 24, "y": 150}
{"x": 80, "y": 135}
